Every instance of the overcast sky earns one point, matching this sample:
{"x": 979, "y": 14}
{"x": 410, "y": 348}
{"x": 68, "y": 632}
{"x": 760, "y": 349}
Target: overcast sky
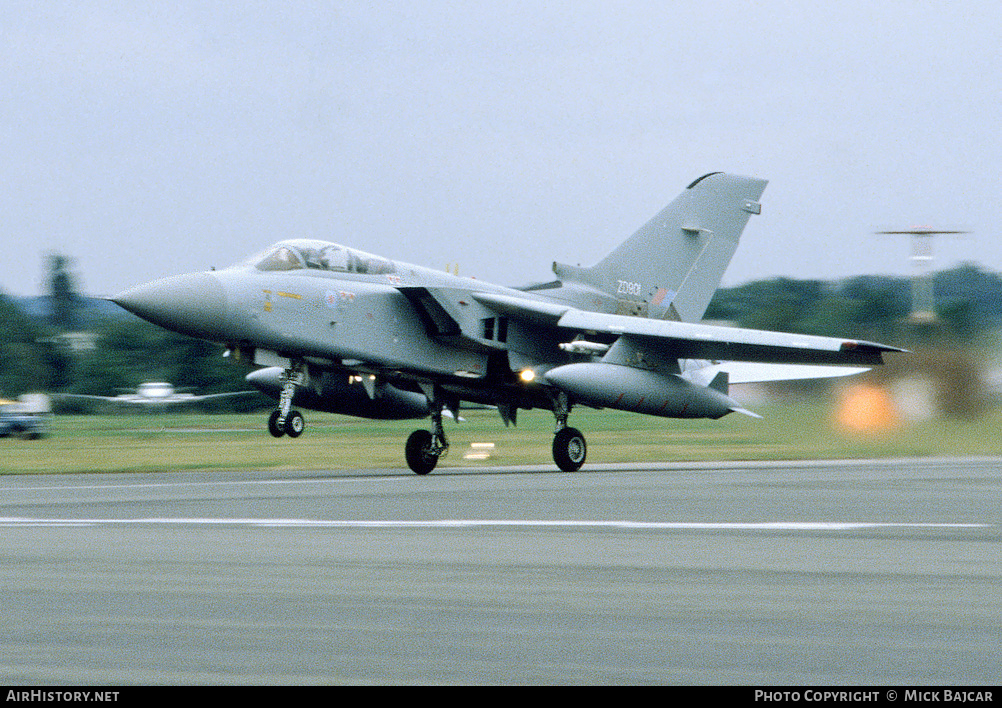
{"x": 149, "y": 139}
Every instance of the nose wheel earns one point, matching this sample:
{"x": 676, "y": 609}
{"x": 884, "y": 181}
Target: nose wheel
{"x": 286, "y": 421}
{"x": 293, "y": 426}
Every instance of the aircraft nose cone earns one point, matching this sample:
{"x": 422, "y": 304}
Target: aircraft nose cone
{"x": 193, "y": 304}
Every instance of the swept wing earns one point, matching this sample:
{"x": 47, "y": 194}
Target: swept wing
{"x": 685, "y": 340}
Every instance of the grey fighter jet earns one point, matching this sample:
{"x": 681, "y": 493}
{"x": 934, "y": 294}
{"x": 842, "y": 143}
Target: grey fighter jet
{"x": 337, "y": 329}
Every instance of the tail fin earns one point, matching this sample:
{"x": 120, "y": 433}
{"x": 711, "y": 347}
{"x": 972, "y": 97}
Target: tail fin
{"x": 670, "y": 268}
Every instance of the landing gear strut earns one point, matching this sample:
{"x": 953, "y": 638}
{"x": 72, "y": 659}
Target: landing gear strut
{"x": 569, "y": 447}
{"x": 286, "y": 421}
{"x": 424, "y": 448}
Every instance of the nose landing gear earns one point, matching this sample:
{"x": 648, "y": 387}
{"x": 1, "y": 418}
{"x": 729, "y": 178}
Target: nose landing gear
{"x": 286, "y": 421}
{"x": 293, "y": 426}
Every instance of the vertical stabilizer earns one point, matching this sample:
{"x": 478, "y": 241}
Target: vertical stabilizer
{"x": 670, "y": 268}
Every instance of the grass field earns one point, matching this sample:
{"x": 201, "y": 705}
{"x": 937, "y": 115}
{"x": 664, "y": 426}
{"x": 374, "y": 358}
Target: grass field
{"x": 173, "y": 442}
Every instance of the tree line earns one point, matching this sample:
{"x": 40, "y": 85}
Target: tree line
{"x": 65, "y": 343}
{"x": 877, "y": 308}
{"x": 118, "y": 353}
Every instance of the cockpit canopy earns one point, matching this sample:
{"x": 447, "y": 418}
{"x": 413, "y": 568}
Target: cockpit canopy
{"x": 300, "y": 254}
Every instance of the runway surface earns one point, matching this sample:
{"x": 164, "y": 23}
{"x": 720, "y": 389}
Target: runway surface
{"x": 797, "y": 573}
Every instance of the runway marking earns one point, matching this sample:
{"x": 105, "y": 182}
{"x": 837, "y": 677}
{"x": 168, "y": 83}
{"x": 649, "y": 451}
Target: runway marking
{"x": 495, "y": 523}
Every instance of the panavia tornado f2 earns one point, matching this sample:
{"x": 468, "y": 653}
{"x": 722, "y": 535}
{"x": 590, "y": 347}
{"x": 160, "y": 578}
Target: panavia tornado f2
{"x": 336, "y": 329}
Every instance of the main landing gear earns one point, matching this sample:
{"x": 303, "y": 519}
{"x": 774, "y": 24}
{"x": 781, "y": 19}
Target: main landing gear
{"x": 286, "y": 421}
{"x": 569, "y": 447}
{"x": 424, "y": 448}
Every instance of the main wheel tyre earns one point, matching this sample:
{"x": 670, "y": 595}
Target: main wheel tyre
{"x": 418, "y": 452}
{"x": 295, "y": 424}
{"x": 569, "y": 449}
{"x": 273, "y": 425}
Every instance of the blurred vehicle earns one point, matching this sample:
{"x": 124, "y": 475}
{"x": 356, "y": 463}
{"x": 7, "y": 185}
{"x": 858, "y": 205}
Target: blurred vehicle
{"x": 27, "y": 417}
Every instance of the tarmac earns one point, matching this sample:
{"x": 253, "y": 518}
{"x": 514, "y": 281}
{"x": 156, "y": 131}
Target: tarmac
{"x": 871, "y": 572}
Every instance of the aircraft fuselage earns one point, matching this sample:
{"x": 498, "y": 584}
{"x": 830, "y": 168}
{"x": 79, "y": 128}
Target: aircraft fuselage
{"x": 342, "y": 330}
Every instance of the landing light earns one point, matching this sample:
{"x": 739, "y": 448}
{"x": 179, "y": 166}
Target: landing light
{"x": 527, "y": 375}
